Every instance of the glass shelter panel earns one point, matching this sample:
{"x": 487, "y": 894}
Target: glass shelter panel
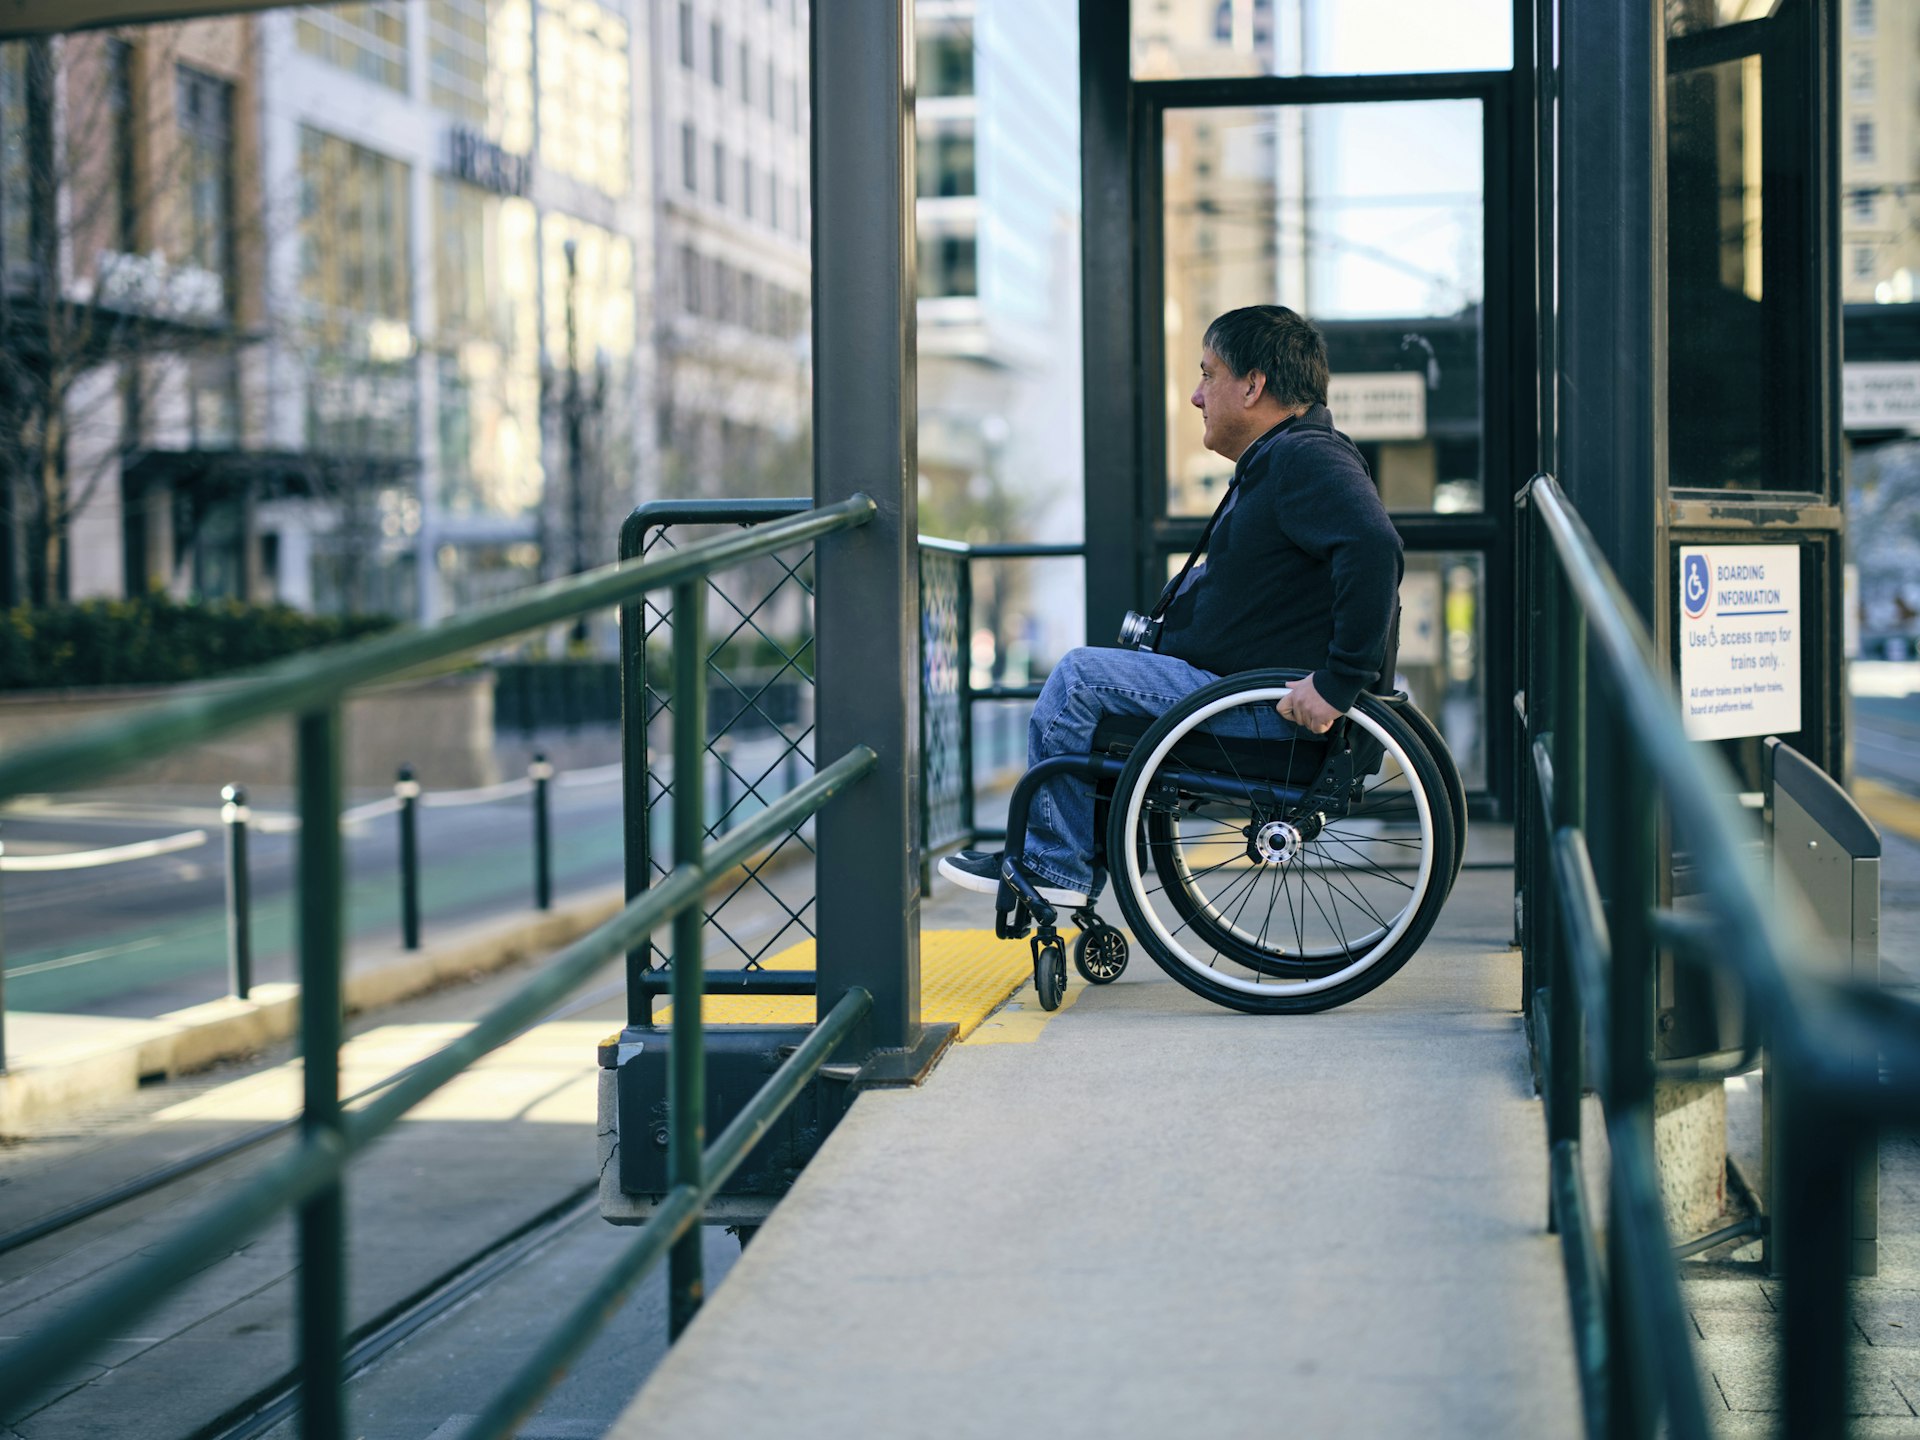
{"x": 1203, "y": 39}
{"x": 1739, "y": 283}
{"x": 1368, "y": 219}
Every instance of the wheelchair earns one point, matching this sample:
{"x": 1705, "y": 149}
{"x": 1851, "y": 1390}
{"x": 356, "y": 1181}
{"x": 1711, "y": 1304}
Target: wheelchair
{"x": 1270, "y": 872}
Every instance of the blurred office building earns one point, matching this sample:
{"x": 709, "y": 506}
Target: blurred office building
{"x": 405, "y": 240}
{"x": 731, "y": 267}
{"x": 998, "y": 141}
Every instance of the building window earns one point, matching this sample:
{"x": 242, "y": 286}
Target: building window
{"x": 771, "y": 92}
{"x": 946, "y": 162}
{"x": 946, "y": 62}
{"x": 1863, "y": 140}
{"x": 353, "y": 229}
{"x": 125, "y": 220}
{"x": 354, "y": 244}
{"x": 773, "y": 201}
{"x": 16, "y": 163}
{"x": 746, "y": 186}
{"x": 717, "y": 53}
{"x": 369, "y": 38}
{"x": 601, "y": 295}
{"x": 1860, "y": 74}
{"x": 686, "y": 35}
{"x": 1863, "y": 262}
{"x": 479, "y": 67}
{"x": 585, "y": 94}
{"x": 1863, "y": 207}
{"x": 1862, "y": 11}
{"x": 746, "y": 74}
{"x": 719, "y": 173}
{"x": 690, "y": 297}
{"x": 489, "y": 400}
{"x": 793, "y": 104}
{"x": 204, "y": 112}
{"x": 948, "y": 266}
{"x": 689, "y": 160}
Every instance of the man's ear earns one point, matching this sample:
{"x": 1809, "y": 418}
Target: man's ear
{"x": 1256, "y": 382}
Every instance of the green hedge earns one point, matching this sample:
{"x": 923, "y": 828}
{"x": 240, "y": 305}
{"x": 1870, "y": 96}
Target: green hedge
{"x": 157, "y": 641}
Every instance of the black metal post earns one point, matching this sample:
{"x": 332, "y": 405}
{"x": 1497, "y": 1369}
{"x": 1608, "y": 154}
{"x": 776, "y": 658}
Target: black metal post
{"x": 322, "y": 1290}
{"x": 235, "y": 814}
{"x": 407, "y": 789}
{"x": 864, "y": 406}
{"x": 1119, "y": 539}
{"x": 723, "y": 764}
{"x": 686, "y": 1079}
{"x": 969, "y": 820}
{"x": 790, "y": 770}
{"x": 541, "y": 773}
{"x": 636, "y": 815}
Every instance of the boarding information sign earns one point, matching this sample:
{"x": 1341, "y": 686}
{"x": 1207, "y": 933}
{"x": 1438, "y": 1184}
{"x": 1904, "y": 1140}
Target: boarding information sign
{"x": 1740, "y": 640}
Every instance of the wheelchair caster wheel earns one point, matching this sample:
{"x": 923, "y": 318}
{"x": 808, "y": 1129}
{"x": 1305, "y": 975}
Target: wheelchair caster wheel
{"x": 1100, "y": 954}
{"x": 1049, "y": 971}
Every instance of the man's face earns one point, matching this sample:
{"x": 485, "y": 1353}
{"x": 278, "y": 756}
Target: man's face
{"x": 1221, "y": 398}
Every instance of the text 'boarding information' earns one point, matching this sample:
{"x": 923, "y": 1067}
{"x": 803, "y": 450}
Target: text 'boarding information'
{"x": 1740, "y": 640}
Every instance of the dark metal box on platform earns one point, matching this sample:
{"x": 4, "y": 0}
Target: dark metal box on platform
{"x": 739, "y": 1060}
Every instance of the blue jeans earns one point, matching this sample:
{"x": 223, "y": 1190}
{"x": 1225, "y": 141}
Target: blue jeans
{"x": 1087, "y": 685}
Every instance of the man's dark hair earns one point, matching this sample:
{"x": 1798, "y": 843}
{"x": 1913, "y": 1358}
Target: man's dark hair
{"x": 1279, "y": 343}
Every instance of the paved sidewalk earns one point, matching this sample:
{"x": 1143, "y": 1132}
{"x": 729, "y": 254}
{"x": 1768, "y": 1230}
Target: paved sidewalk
{"x": 1146, "y": 1216}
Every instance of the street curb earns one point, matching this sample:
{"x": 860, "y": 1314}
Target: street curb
{"x": 84, "y": 1074}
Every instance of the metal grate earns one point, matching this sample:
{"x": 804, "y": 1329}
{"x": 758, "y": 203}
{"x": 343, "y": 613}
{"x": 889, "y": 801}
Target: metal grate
{"x": 946, "y": 787}
{"x": 759, "y": 746}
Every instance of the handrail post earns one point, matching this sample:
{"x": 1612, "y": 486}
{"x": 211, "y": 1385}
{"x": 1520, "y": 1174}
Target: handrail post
{"x": 1564, "y": 637}
{"x": 541, "y": 773}
{"x": 322, "y": 1225}
{"x": 1629, "y": 843}
{"x": 406, "y": 789}
{"x": 969, "y": 820}
{"x": 636, "y": 815}
{"x": 235, "y": 814}
{"x": 686, "y": 1081}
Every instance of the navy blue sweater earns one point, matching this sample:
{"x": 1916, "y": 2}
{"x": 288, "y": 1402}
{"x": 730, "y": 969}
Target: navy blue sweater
{"x": 1303, "y": 568}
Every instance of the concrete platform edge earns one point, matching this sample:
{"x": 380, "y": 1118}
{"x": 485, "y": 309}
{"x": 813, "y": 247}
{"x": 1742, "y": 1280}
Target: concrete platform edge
{"x": 34, "y": 1094}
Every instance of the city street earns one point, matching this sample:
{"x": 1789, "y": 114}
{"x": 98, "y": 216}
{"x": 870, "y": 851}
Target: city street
{"x": 149, "y": 936}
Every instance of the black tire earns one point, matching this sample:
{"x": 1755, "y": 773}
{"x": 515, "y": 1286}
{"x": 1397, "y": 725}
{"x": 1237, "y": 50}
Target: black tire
{"x": 1442, "y": 755}
{"x": 1363, "y": 882}
{"x": 1049, "y": 972}
{"x": 1100, "y": 954}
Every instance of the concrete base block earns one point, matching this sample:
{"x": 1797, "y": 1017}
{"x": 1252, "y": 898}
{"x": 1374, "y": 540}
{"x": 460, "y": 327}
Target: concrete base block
{"x": 1690, "y": 1147}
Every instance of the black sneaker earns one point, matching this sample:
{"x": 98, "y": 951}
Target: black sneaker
{"x": 977, "y": 870}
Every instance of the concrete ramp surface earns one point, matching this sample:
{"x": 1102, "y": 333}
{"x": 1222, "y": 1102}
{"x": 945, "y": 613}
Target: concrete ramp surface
{"x": 1146, "y": 1216}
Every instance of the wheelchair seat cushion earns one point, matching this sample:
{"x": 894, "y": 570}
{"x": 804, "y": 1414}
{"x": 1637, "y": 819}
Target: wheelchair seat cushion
{"x": 1290, "y": 761}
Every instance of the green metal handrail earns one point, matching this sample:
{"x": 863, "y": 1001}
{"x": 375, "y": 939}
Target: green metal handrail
{"x": 1607, "y": 756}
{"x": 309, "y": 1176}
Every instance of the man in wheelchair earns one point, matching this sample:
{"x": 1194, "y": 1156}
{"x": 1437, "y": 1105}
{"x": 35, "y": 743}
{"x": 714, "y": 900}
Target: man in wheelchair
{"x": 1298, "y": 569}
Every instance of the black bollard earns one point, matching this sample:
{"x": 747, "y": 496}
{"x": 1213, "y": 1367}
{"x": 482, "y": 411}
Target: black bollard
{"x": 407, "y": 789}
{"x": 235, "y": 815}
{"x": 541, "y": 773}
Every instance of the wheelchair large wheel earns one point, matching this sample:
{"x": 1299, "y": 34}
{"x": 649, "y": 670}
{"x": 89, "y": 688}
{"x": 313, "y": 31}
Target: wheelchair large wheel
{"x": 1436, "y": 746}
{"x": 1253, "y": 893}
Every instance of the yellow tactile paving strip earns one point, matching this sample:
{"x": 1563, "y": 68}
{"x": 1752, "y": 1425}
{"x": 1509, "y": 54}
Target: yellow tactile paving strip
{"x": 1888, "y": 808}
{"x": 965, "y": 975}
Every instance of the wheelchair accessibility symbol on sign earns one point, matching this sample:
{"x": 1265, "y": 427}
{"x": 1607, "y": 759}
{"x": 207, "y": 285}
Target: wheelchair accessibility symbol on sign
{"x": 1696, "y": 585}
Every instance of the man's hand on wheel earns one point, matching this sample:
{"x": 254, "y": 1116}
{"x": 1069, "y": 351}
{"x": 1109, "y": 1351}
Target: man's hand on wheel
{"x": 1305, "y": 708}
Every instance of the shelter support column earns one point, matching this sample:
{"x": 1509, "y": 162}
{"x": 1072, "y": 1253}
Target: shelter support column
{"x": 867, "y": 607}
